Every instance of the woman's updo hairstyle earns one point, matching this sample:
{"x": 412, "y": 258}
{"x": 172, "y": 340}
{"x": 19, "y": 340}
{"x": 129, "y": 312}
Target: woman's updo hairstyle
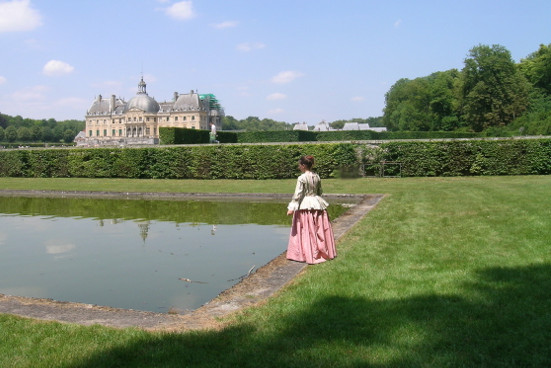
{"x": 307, "y": 161}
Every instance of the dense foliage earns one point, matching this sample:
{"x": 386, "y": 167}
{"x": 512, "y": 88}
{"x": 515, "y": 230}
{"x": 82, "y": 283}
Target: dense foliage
{"x": 17, "y": 129}
{"x": 491, "y": 93}
{"x": 189, "y": 162}
{"x": 469, "y": 157}
{"x": 279, "y": 161}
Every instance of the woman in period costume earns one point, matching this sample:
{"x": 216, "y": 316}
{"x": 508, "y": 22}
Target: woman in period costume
{"x": 311, "y": 238}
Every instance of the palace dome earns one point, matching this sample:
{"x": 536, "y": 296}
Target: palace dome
{"x": 142, "y": 101}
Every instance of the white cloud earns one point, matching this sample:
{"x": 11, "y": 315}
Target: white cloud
{"x": 248, "y": 46}
{"x": 276, "y": 96}
{"x": 357, "y": 98}
{"x": 397, "y": 23}
{"x": 3, "y": 80}
{"x": 17, "y": 15}
{"x": 56, "y": 67}
{"x": 226, "y": 24}
{"x": 31, "y": 94}
{"x": 182, "y": 10}
{"x": 276, "y": 111}
{"x": 286, "y": 77}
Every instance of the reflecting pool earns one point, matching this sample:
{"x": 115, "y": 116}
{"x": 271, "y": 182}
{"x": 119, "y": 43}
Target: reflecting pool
{"x": 152, "y": 255}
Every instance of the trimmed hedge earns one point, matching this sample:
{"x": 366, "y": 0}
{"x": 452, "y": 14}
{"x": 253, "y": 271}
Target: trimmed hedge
{"x": 470, "y": 157}
{"x": 410, "y": 158}
{"x": 189, "y": 162}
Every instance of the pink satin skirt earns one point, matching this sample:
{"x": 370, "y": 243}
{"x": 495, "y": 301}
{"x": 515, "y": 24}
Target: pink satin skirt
{"x": 311, "y": 238}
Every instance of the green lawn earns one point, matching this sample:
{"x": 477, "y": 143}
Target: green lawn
{"x": 444, "y": 272}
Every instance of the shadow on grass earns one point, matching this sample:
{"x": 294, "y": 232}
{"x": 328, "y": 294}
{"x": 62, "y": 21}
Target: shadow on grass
{"x": 505, "y": 322}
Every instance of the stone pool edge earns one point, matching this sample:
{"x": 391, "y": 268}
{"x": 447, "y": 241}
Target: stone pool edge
{"x": 258, "y": 286}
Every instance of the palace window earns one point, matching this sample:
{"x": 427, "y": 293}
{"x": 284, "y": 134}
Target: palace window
{"x": 104, "y": 132}
{"x": 113, "y": 132}
{"x": 120, "y": 132}
{"x": 90, "y": 133}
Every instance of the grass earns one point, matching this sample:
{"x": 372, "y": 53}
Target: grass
{"x": 444, "y": 272}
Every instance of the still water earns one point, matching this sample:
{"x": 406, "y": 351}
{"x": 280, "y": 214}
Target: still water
{"x": 151, "y": 255}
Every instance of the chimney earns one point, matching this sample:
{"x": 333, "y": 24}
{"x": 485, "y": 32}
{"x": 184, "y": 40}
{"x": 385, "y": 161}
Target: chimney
{"x": 112, "y": 104}
{"x": 175, "y": 96}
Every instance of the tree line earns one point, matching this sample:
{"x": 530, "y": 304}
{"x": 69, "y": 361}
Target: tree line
{"x": 254, "y": 123}
{"x": 18, "y": 129}
{"x": 491, "y": 93}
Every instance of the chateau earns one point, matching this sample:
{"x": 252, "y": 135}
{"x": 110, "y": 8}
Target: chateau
{"x": 117, "y": 122}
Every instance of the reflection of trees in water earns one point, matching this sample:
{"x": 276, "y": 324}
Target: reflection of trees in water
{"x": 144, "y": 229}
{"x": 204, "y": 212}
{"x": 192, "y": 213}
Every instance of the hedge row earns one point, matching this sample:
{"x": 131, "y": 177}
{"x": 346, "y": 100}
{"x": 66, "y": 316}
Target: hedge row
{"x": 193, "y": 136}
{"x": 464, "y": 158}
{"x": 444, "y": 158}
{"x": 189, "y": 162}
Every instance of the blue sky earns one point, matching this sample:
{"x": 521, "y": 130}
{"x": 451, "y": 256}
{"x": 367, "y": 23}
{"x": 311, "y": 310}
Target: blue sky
{"x": 287, "y": 60}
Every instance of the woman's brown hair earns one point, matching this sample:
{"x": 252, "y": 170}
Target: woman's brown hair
{"x": 307, "y": 161}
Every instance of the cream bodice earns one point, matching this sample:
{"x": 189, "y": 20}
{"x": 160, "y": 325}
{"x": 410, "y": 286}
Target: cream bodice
{"x": 308, "y": 193}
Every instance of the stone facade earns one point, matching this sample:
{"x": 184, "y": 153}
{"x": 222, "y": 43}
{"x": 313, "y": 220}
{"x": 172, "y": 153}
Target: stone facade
{"x": 117, "y": 122}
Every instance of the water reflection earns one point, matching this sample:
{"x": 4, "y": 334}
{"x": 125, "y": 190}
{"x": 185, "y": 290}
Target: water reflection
{"x": 136, "y": 254}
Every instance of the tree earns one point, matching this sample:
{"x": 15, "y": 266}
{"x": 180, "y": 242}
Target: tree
{"x": 443, "y": 100}
{"x": 24, "y": 134}
{"x": 338, "y": 124}
{"x": 408, "y": 105}
{"x": 69, "y": 135}
{"x": 492, "y": 92}
{"x": 47, "y": 134}
{"x": 537, "y": 68}
{"x": 4, "y": 121}
{"x": 2, "y": 135}
{"x": 57, "y": 134}
{"x": 36, "y": 133}
{"x": 229, "y": 123}
{"x": 11, "y": 133}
